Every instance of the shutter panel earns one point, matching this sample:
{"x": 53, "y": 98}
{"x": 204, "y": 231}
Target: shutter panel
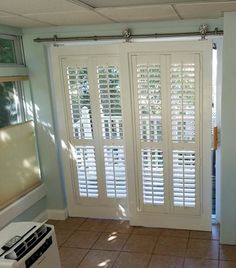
{"x": 81, "y": 128}
{"x": 184, "y": 118}
{"x": 108, "y": 83}
{"x": 86, "y": 168}
{"x": 148, "y": 110}
{"x": 184, "y": 179}
{"x": 149, "y": 101}
{"x": 80, "y": 108}
{"x": 182, "y": 80}
{"x": 152, "y": 173}
{"x": 110, "y": 106}
{"x": 115, "y": 171}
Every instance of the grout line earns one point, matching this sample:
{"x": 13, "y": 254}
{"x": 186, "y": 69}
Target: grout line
{"x": 186, "y": 247}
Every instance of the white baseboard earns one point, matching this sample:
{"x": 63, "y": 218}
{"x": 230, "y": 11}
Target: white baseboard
{"x": 57, "y": 214}
{"x": 42, "y": 217}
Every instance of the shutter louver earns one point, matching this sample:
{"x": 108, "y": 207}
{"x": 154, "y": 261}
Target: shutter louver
{"x": 115, "y": 171}
{"x": 149, "y": 102}
{"x": 80, "y": 107}
{"x": 153, "y": 177}
{"x": 110, "y": 104}
{"x": 184, "y": 179}
{"x": 182, "y": 81}
{"x": 86, "y": 169}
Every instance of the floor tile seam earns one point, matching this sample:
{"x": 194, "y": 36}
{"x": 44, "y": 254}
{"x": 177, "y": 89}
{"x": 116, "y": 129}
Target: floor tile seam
{"x": 128, "y": 237}
{"x": 68, "y": 237}
{"x": 95, "y": 240}
{"x": 118, "y": 255}
{"x": 85, "y": 255}
{"x": 156, "y": 242}
{"x": 149, "y": 261}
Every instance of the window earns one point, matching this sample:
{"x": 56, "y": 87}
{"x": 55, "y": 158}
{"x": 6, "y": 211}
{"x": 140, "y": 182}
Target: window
{"x": 10, "y": 50}
{"x": 11, "y": 103}
{"x": 12, "y": 100}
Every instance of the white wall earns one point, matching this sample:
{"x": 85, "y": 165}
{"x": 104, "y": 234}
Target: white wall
{"x": 228, "y": 134}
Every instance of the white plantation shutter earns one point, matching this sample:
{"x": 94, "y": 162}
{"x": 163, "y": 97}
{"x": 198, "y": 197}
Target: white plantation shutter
{"x": 149, "y": 101}
{"x": 108, "y": 84}
{"x": 81, "y": 127}
{"x": 184, "y": 117}
{"x": 110, "y": 104}
{"x": 115, "y": 171}
{"x": 87, "y": 173}
{"x": 184, "y": 183}
{"x": 182, "y": 80}
{"x": 152, "y": 176}
{"x": 149, "y": 124}
{"x": 79, "y": 97}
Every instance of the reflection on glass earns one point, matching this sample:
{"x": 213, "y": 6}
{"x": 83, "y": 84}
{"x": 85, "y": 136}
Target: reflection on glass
{"x": 7, "y": 51}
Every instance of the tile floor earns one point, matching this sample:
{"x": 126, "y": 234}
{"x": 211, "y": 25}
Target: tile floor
{"x": 90, "y": 243}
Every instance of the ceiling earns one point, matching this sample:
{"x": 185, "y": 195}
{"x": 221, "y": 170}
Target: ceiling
{"x": 40, "y": 13}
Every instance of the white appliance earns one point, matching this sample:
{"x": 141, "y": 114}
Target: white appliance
{"x": 28, "y": 244}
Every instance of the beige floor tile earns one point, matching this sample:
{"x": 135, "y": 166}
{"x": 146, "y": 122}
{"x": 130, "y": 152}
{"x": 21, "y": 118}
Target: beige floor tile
{"x": 200, "y": 235}
{"x": 62, "y": 235}
{"x": 168, "y": 245}
{"x": 200, "y": 263}
{"x": 132, "y": 260}
{"x": 82, "y": 239}
{"x": 52, "y": 222}
{"x": 227, "y": 264}
{"x": 71, "y": 257}
{"x": 228, "y": 252}
{"x": 147, "y": 231}
{"x": 175, "y": 232}
{"x": 205, "y": 249}
{"x": 119, "y": 226}
{"x": 111, "y": 241}
{"x": 140, "y": 243}
{"x": 166, "y": 262}
{"x": 70, "y": 223}
{"x": 94, "y": 225}
{"x": 99, "y": 258}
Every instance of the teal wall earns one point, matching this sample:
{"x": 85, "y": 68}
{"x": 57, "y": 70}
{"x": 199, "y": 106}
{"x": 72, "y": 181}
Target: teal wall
{"x": 33, "y": 212}
{"x": 228, "y": 133}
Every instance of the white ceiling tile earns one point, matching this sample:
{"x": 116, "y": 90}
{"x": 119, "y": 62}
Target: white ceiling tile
{"x": 18, "y": 21}
{"x": 37, "y": 6}
{"x": 139, "y": 13}
{"x": 205, "y": 10}
{"x": 70, "y": 18}
{"x": 3, "y": 14}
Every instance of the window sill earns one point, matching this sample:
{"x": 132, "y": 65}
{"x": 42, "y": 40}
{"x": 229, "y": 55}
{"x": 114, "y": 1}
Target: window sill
{"x": 22, "y": 204}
